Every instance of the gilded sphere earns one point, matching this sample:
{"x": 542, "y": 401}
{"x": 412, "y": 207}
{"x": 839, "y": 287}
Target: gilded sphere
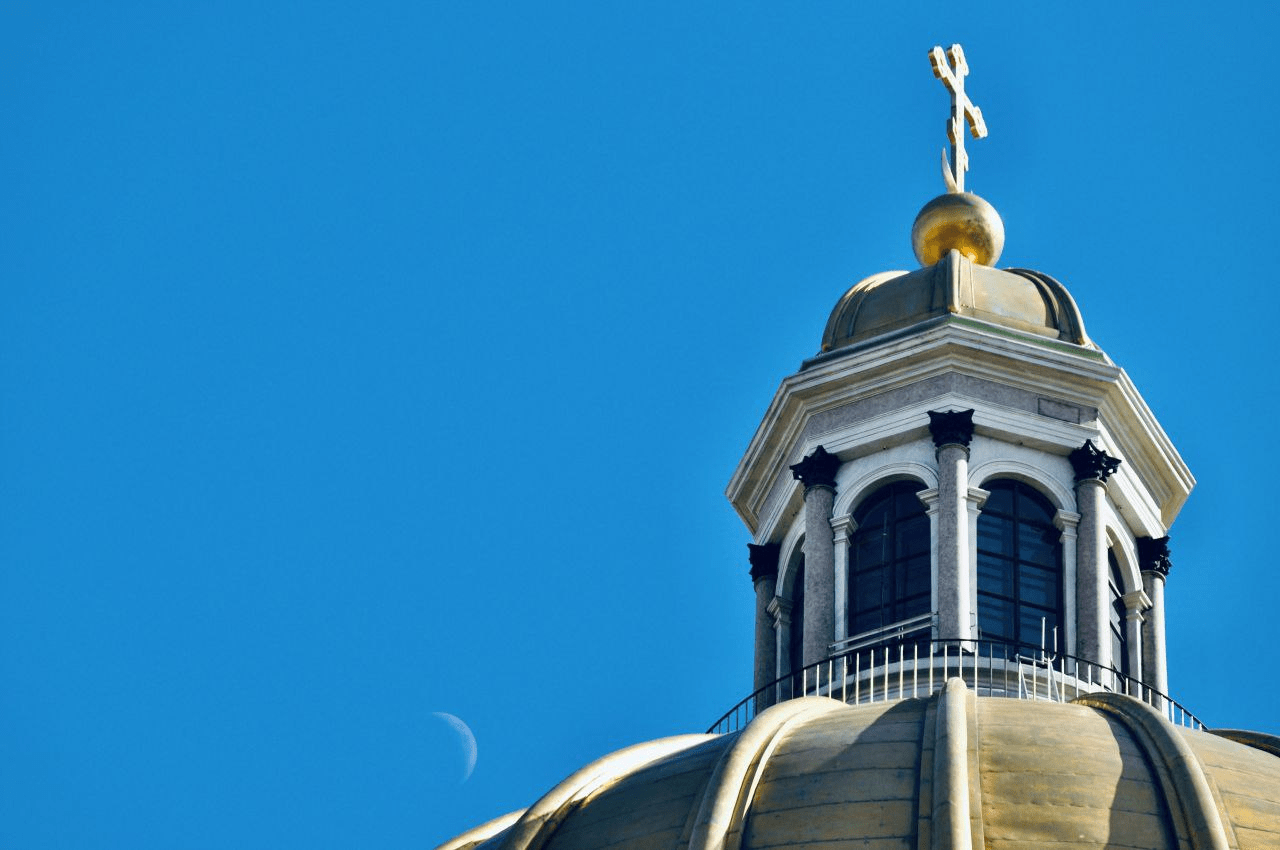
{"x": 959, "y": 220}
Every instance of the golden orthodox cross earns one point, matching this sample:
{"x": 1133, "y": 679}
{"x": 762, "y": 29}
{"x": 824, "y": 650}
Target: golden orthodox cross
{"x": 962, "y": 110}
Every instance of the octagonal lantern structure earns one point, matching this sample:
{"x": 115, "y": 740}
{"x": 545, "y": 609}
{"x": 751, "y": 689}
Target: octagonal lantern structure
{"x": 987, "y": 474}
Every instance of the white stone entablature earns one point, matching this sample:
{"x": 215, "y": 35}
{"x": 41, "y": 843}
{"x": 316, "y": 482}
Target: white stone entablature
{"x": 1024, "y": 391}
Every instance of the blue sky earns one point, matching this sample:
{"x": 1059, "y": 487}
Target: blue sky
{"x": 364, "y": 362}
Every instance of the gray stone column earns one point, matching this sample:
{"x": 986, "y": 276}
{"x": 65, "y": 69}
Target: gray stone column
{"x": 818, "y": 474}
{"x": 843, "y": 528}
{"x": 1153, "y": 560}
{"x": 1093, "y": 623}
{"x": 952, "y": 431}
{"x": 764, "y": 578}
{"x": 780, "y": 610}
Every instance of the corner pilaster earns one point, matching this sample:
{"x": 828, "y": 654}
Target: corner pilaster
{"x": 843, "y": 528}
{"x": 929, "y": 498}
{"x": 1068, "y": 522}
{"x": 780, "y": 610}
{"x": 1135, "y": 602}
{"x": 975, "y": 499}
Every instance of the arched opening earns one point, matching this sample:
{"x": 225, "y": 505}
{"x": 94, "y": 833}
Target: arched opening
{"x": 889, "y": 570}
{"x": 795, "y": 654}
{"x": 790, "y": 627}
{"x": 1118, "y": 616}
{"x": 1019, "y": 568}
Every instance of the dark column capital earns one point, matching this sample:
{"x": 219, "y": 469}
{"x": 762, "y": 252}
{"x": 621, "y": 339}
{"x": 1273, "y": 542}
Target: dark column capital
{"x": 951, "y": 426}
{"x": 764, "y": 560}
{"x": 1153, "y": 555}
{"x": 817, "y": 470}
{"x": 1092, "y": 463}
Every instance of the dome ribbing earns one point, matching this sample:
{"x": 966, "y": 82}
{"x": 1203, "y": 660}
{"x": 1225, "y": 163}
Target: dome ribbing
{"x": 950, "y": 771}
{"x": 1019, "y": 299}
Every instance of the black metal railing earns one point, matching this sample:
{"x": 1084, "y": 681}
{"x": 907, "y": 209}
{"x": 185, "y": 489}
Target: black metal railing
{"x": 919, "y": 667}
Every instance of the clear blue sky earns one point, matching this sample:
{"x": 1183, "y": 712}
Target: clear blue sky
{"x": 360, "y": 362}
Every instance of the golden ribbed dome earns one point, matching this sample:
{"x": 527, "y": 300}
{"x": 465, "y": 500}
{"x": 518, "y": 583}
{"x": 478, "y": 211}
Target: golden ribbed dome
{"x": 949, "y": 771}
{"x": 1020, "y": 299}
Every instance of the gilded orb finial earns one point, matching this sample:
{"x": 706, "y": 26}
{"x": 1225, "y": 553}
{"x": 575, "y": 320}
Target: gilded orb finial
{"x": 957, "y": 220}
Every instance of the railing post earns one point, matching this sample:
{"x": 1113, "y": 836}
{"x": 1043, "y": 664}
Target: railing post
{"x": 901, "y": 662}
{"x": 886, "y": 674}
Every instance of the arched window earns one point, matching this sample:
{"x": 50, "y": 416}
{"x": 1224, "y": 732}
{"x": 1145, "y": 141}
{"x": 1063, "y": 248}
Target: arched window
{"x": 1019, "y": 568}
{"x": 1119, "y": 613}
{"x": 889, "y": 558}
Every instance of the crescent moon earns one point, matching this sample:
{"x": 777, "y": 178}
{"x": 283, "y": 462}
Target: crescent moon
{"x": 468, "y": 741}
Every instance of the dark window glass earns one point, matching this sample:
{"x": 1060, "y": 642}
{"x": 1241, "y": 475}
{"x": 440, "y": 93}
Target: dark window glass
{"x": 918, "y": 575}
{"x": 1038, "y": 587}
{"x": 996, "y": 538}
{"x": 797, "y": 619}
{"x": 905, "y": 501}
{"x": 912, "y": 535}
{"x": 996, "y": 616}
{"x": 1035, "y": 624}
{"x": 1000, "y": 501}
{"x": 995, "y": 576}
{"x": 1019, "y": 567}
{"x": 1119, "y": 636}
{"x": 889, "y": 574}
{"x": 1036, "y": 544}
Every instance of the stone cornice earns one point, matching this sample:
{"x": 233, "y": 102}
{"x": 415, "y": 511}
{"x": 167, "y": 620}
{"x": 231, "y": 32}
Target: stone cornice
{"x": 970, "y": 323}
{"x": 943, "y": 348}
{"x": 1146, "y": 447}
{"x": 939, "y": 348}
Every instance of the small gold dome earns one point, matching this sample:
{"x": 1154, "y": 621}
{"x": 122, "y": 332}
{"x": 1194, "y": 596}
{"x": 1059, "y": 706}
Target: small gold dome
{"x": 1021, "y": 299}
{"x": 959, "y": 220}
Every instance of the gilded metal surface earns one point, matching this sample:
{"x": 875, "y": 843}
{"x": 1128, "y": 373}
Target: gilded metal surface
{"x": 1187, "y": 790}
{"x": 722, "y": 812}
{"x": 544, "y": 818}
{"x": 961, "y": 221}
{"x": 962, "y": 110}
{"x": 1021, "y": 300}
{"x": 951, "y": 811}
{"x": 1103, "y": 773}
